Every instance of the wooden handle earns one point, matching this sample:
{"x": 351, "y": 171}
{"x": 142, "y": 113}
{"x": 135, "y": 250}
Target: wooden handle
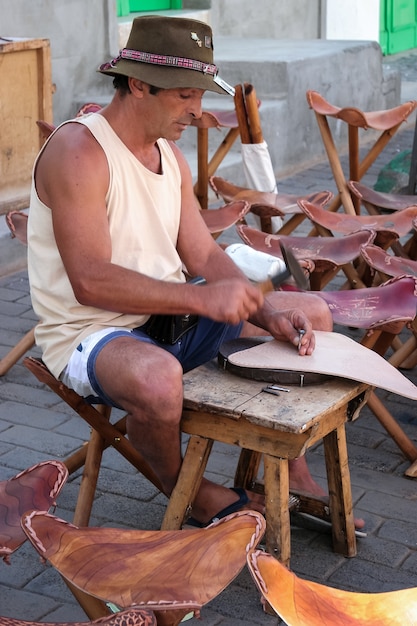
{"x": 252, "y": 112}
{"x": 241, "y": 115}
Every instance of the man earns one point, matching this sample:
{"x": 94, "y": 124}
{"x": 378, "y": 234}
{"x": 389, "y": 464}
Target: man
{"x": 113, "y": 222}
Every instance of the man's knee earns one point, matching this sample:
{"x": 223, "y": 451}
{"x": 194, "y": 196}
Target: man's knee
{"x": 319, "y": 313}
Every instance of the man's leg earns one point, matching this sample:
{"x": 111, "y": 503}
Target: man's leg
{"x": 147, "y": 382}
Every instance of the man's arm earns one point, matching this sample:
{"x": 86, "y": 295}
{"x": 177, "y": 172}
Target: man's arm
{"x": 203, "y": 256}
{"x": 72, "y": 179}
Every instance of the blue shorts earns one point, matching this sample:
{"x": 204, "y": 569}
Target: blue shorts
{"x": 199, "y": 345}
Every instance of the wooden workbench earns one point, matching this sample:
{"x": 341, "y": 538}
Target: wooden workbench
{"x": 220, "y": 406}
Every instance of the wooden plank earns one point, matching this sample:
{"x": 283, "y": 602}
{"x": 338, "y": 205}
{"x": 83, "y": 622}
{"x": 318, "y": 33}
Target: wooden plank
{"x": 214, "y": 390}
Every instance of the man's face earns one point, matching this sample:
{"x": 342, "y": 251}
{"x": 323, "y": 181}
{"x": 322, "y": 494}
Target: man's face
{"x": 172, "y": 111}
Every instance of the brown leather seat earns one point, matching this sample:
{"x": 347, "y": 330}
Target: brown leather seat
{"x": 36, "y": 487}
{"x": 273, "y": 204}
{"x": 170, "y": 572}
{"x": 266, "y": 205}
{"x": 378, "y": 120}
{"x": 388, "y": 264}
{"x": 387, "y": 227}
{"x": 385, "y": 122}
{"x": 326, "y": 252}
{"x": 302, "y": 602}
{"x": 218, "y": 220}
{"x": 376, "y": 201}
{"x": 373, "y": 307}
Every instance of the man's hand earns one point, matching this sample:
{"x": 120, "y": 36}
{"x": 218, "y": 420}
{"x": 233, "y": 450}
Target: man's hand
{"x": 230, "y": 300}
{"x": 291, "y": 325}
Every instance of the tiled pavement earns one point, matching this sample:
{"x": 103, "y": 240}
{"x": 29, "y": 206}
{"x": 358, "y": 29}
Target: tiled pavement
{"x": 35, "y": 425}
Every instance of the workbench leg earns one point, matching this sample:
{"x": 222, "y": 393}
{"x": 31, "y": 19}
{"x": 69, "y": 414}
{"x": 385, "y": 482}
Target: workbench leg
{"x": 340, "y": 492}
{"x": 188, "y": 483}
{"x": 277, "y": 513}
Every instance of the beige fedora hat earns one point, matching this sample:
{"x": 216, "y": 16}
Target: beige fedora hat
{"x": 169, "y": 52}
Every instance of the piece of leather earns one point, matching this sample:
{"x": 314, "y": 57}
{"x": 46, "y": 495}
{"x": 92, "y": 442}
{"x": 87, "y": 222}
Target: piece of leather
{"x": 36, "y": 487}
{"x": 263, "y": 203}
{"x": 301, "y": 602}
{"x": 391, "y": 265}
{"x": 216, "y": 119}
{"x": 182, "y": 569}
{"x": 380, "y": 200}
{"x": 335, "y": 355}
{"x": 378, "y": 120}
{"x": 397, "y": 224}
{"x": 130, "y": 617}
{"x": 217, "y": 220}
{"x": 279, "y": 376}
{"x": 373, "y": 307}
{"x": 326, "y": 252}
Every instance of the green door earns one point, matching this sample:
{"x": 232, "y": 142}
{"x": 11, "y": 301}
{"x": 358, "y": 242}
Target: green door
{"x": 124, "y": 7}
{"x": 398, "y": 25}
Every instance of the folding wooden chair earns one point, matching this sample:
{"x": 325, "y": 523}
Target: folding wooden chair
{"x": 103, "y": 435}
{"x": 377, "y": 203}
{"x": 388, "y": 230}
{"x": 305, "y": 603}
{"x": 267, "y": 205}
{"x": 328, "y": 254}
{"x": 386, "y": 122}
{"x": 207, "y": 166}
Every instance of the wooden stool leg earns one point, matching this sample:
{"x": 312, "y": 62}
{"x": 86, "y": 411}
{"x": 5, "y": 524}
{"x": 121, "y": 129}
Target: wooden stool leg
{"x": 12, "y": 357}
{"x": 333, "y": 157}
{"x": 340, "y": 492}
{"x": 87, "y": 490}
{"x": 201, "y": 187}
{"x": 392, "y": 427}
{"x": 188, "y": 483}
{"x": 277, "y": 513}
{"x": 247, "y": 469}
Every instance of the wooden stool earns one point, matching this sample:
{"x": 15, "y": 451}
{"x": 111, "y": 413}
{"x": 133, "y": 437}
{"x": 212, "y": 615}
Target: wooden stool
{"x": 267, "y": 205}
{"x": 388, "y": 230}
{"x": 302, "y": 602}
{"x": 207, "y": 166}
{"x": 386, "y": 122}
{"x": 103, "y": 435}
{"x": 328, "y": 254}
{"x": 219, "y": 406}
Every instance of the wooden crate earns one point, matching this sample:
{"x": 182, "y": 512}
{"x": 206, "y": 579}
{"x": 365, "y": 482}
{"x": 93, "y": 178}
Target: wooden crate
{"x": 25, "y": 97}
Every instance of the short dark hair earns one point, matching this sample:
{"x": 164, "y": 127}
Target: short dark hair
{"x": 121, "y": 82}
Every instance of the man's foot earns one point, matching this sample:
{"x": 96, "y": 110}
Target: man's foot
{"x": 215, "y": 501}
{"x": 237, "y": 505}
{"x": 301, "y": 481}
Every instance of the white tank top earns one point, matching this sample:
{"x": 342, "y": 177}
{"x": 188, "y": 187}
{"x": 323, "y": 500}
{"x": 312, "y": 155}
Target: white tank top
{"x": 143, "y": 210}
